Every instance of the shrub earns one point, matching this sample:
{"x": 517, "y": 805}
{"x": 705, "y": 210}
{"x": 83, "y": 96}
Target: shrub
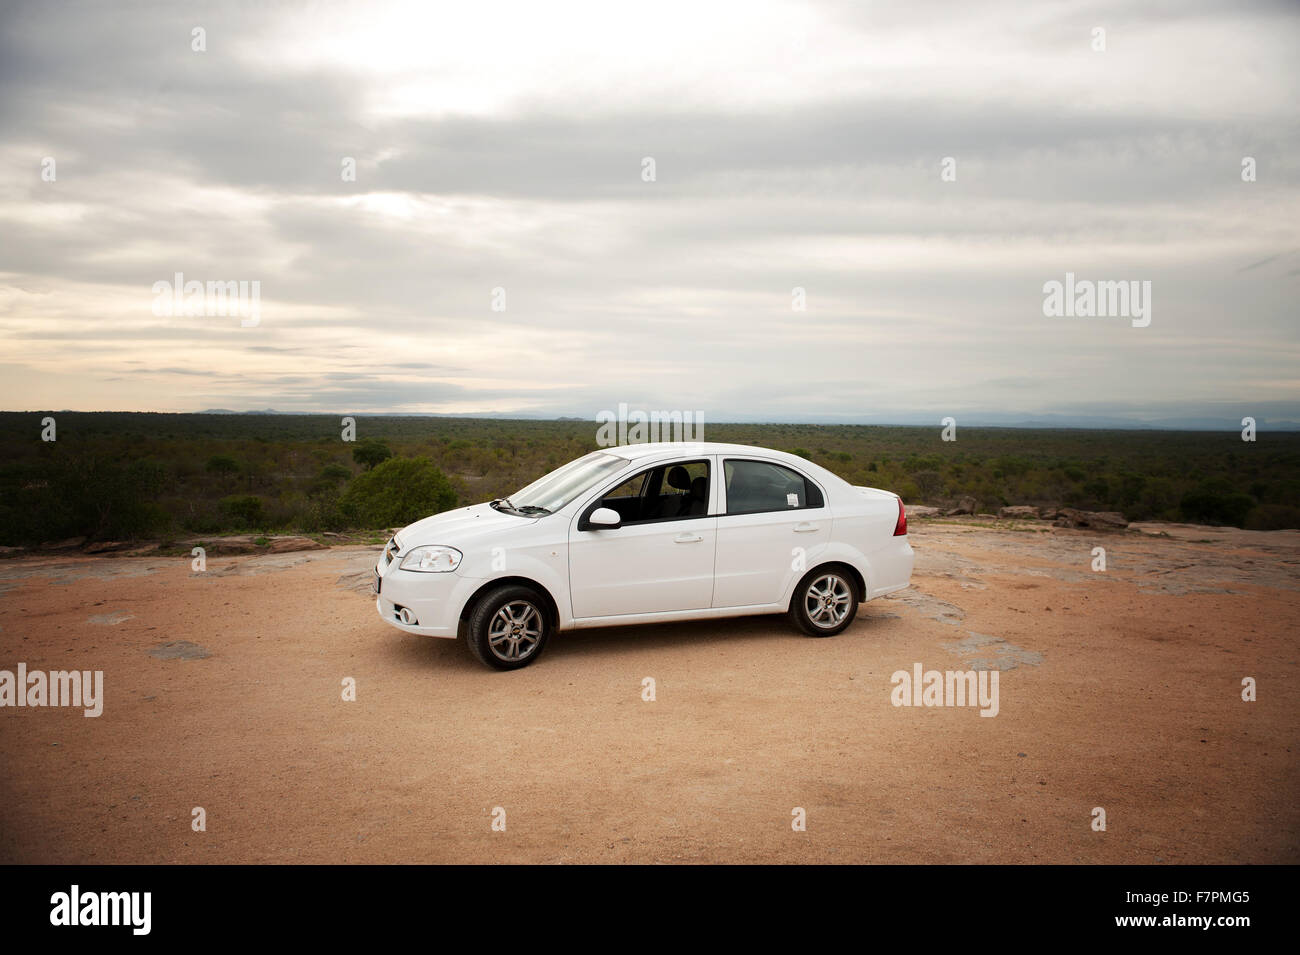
{"x": 930, "y": 484}
{"x": 244, "y": 509}
{"x": 111, "y": 500}
{"x": 1098, "y": 491}
{"x": 86, "y": 496}
{"x": 397, "y": 492}
{"x": 335, "y": 472}
{"x": 1216, "y": 502}
{"x": 371, "y": 453}
{"x": 323, "y": 514}
{"x": 1273, "y": 517}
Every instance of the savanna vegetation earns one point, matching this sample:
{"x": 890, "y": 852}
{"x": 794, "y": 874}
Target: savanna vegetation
{"x": 116, "y": 476}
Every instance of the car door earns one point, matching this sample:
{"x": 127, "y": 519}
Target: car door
{"x": 771, "y": 520}
{"x": 659, "y": 561}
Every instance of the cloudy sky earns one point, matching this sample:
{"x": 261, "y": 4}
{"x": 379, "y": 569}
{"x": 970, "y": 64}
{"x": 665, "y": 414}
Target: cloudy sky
{"x": 794, "y": 145}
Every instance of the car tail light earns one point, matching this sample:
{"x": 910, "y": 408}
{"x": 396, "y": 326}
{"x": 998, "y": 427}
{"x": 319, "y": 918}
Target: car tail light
{"x": 900, "y": 528}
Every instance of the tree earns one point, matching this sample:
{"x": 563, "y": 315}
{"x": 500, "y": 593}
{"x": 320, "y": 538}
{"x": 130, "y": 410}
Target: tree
{"x": 1216, "y": 501}
{"x": 397, "y": 492}
{"x": 929, "y": 483}
{"x": 370, "y": 453}
{"x": 245, "y": 509}
{"x": 222, "y": 464}
{"x": 113, "y": 500}
{"x": 334, "y": 473}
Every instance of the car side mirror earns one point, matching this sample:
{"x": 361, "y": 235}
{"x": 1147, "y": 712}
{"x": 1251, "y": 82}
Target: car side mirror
{"x": 604, "y": 518}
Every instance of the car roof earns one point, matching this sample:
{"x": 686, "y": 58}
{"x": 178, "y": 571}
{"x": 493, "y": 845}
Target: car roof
{"x": 634, "y": 452}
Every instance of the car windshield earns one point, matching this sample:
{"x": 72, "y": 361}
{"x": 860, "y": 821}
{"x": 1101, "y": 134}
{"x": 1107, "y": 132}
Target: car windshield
{"x": 562, "y": 485}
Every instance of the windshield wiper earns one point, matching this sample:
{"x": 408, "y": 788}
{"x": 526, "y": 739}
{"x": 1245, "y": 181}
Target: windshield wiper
{"x": 503, "y": 504}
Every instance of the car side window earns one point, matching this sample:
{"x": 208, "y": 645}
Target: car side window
{"x": 631, "y": 488}
{"x": 757, "y": 486}
{"x": 668, "y": 492}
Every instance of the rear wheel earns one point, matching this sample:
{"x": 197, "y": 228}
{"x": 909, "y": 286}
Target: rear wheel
{"x": 825, "y": 602}
{"x": 508, "y": 627}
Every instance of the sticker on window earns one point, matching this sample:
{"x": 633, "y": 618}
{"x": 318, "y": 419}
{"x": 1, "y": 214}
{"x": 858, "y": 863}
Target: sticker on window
{"x": 792, "y": 500}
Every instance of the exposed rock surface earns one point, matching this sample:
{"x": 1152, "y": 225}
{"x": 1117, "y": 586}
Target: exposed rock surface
{"x": 1023, "y": 512}
{"x": 282, "y": 545}
{"x": 921, "y": 510}
{"x": 1093, "y": 520}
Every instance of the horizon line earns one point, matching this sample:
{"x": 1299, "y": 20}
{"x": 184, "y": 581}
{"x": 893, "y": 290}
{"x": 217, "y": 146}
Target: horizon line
{"x": 977, "y": 421}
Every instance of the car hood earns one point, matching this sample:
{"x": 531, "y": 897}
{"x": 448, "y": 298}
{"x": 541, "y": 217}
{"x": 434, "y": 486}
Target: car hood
{"x": 459, "y": 526}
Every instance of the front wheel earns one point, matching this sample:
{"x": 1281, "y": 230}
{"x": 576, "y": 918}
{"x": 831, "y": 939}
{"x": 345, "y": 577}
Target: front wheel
{"x": 824, "y": 603}
{"x": 508, "y": 628}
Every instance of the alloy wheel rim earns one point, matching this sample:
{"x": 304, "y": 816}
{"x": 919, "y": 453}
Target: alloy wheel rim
{"x": 826, "y": 601}
{"x": 515, "y": 631}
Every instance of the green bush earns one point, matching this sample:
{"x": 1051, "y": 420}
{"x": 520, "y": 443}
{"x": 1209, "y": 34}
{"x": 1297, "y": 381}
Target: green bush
{"x": 369, "y": 454}
{"x": 335, "y": 472}
{"x": 1097, "y": 491}
{"x": 1273, "y": 517}
{"x": 82, "y": 496}
{"x": 244, "y": 509}
{"x": 324, "y": 514}
{"x": 114, "y": 500}
{"x": 930, "y": 484}
{"x": 397, "y": 492}
{"x": 1216, "y": 501}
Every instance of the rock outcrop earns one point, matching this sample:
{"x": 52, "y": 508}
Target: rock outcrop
{"x": 1092, "y": 520}
{"x": 1021, "y": 512}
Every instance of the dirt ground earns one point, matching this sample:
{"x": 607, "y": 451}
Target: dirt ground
{"x": 1119, "y": 689}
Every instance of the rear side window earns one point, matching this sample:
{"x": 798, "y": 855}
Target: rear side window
{"x": 756, "y": 486}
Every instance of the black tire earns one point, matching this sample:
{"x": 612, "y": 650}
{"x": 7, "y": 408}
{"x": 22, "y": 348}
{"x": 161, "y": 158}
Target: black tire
{"x": 815, "y": 591}
{"x": 500, "y": 643}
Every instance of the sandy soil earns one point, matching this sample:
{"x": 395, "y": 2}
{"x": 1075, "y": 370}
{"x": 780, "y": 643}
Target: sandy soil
{"x": 1119, "y": 690}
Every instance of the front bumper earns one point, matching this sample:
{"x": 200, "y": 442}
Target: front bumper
{"x": 433, "y": 600}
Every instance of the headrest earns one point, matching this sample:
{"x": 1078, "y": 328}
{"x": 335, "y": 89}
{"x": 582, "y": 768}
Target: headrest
{"x": 678, "y": 478}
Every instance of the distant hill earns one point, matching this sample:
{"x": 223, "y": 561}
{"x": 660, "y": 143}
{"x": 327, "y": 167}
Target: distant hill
{"x": 229, "y": 411}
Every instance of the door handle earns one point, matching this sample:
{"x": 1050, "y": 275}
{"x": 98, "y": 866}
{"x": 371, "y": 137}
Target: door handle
{"x": 687, "y": 539}
{"x": 804, "y": 527}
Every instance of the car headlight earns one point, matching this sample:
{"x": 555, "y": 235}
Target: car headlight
{"x": 432, "y": 559}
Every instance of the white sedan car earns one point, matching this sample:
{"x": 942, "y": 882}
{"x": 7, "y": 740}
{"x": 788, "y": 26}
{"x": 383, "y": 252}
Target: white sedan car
{"x": 646, "y": 533}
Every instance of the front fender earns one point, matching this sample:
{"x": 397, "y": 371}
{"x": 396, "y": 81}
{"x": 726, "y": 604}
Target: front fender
{"x": 547, "y": 567}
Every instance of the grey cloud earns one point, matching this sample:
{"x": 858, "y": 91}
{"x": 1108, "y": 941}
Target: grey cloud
{"x": 677, "y": 291}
